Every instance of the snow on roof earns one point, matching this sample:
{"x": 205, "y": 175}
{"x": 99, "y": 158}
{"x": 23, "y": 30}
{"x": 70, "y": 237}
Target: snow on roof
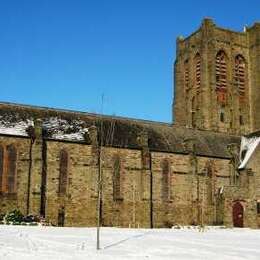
{"x": 247, "y": 148}
{"x": 14, "y": 128}
{"x": 55, "y": 128}
{"x": 61, "y": 129}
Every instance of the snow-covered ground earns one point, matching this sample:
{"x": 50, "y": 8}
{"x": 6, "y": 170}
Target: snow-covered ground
{"x": 46, "y": 243}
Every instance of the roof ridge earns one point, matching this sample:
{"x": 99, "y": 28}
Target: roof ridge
{"x": 83, "y": 113}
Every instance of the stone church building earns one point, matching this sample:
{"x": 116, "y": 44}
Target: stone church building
{"x": 201, "y": 169}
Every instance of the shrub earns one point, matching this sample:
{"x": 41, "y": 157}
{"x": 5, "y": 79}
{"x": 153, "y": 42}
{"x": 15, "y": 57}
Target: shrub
{"x": 13, "y": 217}
{"x": 31, "y": 219}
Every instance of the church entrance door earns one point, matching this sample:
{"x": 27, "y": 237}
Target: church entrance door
{"x": 238, "y": 214}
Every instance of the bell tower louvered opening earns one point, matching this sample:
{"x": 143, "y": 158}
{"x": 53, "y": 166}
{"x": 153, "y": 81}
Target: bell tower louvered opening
{"x": 197, "y": 72}
{"x": 240, "y": 75}
{"x": 221, "y": 77}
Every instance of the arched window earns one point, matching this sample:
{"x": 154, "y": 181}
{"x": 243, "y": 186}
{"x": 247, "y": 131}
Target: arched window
{"x": 11, "y": 153}
{"x": 221, "y": 76}
{"x": 240, "y": 74}
{"x": 165, "y": 179}
{"x": 186, "y": 75}
{"x": 117, "y": 178}
{"x": 63, "y": 177}
{"x": 1, "y": 166}
{"x": 197, "y": 62}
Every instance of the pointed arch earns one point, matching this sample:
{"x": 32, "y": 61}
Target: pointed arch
{"x": 165, "y": 179}
{"x": 221, "y": 73}
{"x": 11, "y": 153}
{"x": 238, "y": 214}
{"x": 63, "y": 175}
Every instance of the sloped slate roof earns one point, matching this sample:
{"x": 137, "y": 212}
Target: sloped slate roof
{"x": 118, "y": 131}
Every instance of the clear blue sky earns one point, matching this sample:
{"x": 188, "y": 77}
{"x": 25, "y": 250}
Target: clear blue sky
{"x": 66, "y": 53}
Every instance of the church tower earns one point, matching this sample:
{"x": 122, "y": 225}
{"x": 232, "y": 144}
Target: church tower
{"x": 217, "y": 79}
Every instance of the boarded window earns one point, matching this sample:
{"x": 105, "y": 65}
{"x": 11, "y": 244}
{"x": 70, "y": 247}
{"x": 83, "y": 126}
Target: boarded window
{"x": 165, "y": 179}
{"x": 240, "y": 74}
{"x": 63, "y": 178}
{"x": 221, "y": 76}
{"x": 197, "y": 61}
{"x": 1, "y": 166}
{"x": 117, "y": 178}
{"x": 11, "y": 169}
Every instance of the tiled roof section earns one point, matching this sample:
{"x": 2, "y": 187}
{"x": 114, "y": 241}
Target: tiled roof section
{"x": 118, "y": 132}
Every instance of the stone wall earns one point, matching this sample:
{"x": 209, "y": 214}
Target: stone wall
{"x": 17, "y": 199}
{"x": 182, "y": 193}
{"x": 133, "y": 208}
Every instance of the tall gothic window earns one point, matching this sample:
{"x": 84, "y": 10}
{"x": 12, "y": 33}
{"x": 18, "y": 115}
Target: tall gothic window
{"x": 186, "y": 75}
{"x": 1, "y": 166}
{"x": 165, "y": 179}
{"x": 240, "y": 74}
{"x": 63, "y": 177}
{"x": 221, "y": 76}
{"x": 197, "y": 61}
{"x": 11, "y": 169}
{"x": 117, "y": 178}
